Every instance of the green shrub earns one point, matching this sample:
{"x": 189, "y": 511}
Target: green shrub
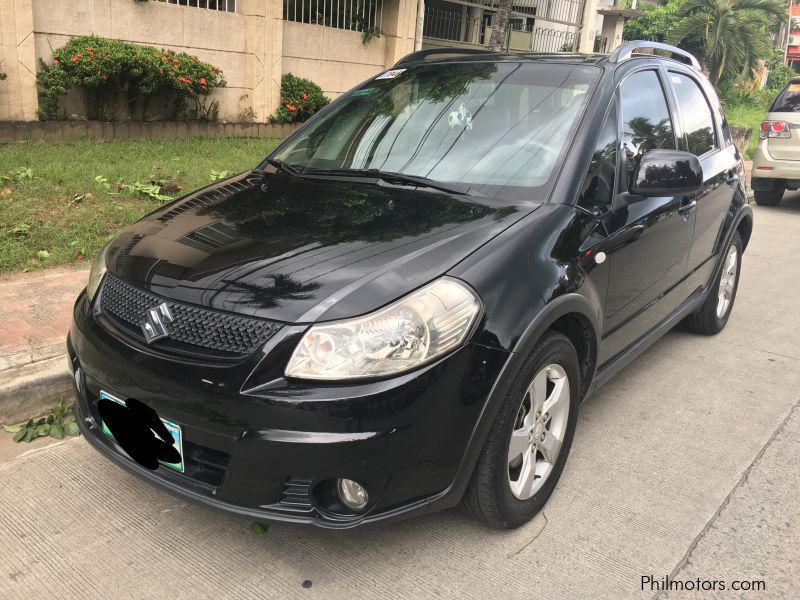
{"x": 744, "y": 93}
{"x": 110, "y": 72}
{"x": 54, "y": 83}
{"x": 779, "y": 73}
{"x": 300, "y": 99}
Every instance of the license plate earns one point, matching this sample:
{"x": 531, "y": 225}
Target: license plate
{"x": 174, "y": 430}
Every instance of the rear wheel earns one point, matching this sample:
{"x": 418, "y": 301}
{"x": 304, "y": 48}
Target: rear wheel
{"x": 714, "y": 314}
{"x": 525, "y": 451}
{"x": 769, "y": 197}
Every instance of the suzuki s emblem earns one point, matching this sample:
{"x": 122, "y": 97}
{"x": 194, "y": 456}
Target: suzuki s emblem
{"x": 155, "y": 325}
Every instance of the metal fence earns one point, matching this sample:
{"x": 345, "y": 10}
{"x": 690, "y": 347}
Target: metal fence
{"x": 221, "y": 5}
{"x": 524, "y": 34}
{"x": 568, "y": 12}
{"x": 356, "y": 15}
{"x": 442, "y": 24}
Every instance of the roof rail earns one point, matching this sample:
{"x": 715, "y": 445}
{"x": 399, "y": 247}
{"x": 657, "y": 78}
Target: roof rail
{"x": 445, "y": 52}
{"x": 626, "y": 50}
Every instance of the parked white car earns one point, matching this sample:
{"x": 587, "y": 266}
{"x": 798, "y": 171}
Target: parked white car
{"x": 776, "y": 163}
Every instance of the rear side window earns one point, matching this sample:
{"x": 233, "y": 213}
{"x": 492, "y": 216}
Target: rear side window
{"x": 788, "y": 100}
{"x": 695, "y": 114}
{"x": 646, "y": 124}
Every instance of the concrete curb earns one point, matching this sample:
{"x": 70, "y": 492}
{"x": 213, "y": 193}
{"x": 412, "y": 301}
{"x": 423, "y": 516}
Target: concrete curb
{"x": 31, "y": 389}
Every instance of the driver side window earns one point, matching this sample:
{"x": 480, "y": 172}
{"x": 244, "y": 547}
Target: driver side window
{"x": 646, "y": 124}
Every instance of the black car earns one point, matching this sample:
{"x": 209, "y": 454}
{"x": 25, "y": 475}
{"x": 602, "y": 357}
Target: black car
{"x": 401, "y": 309}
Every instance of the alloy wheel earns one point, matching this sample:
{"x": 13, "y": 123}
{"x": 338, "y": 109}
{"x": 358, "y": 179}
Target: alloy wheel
{"x": 727, "y": 281}
{"x": 539, "y": 430}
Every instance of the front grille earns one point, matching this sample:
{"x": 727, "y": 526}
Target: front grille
{"x": 190, "y": 325}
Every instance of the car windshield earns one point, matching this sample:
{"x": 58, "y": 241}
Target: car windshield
{"x": 788, "y": 100}
{"x": 496, "y": 129}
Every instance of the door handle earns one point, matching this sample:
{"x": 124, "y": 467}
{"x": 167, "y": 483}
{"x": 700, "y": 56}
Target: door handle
{"x": 686, "y": 208}
{"x": 732, "y": 177}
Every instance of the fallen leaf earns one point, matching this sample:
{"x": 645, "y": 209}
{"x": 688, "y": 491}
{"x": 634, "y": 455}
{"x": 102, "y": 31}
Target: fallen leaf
{"x": 5, "y": 192}
{"x": 43, "y": 254}
{"x": 79, "y": 255}
{"x": 259, "y": 528}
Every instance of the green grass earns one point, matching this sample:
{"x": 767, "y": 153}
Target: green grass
{"x": 746, "y": 116}
{"x": 62, "y": 215}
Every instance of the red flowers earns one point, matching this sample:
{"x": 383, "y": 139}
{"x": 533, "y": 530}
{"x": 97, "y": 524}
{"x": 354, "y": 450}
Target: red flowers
{"x": 202, "y": 81}
{"x": 55, "y": 61}
{"x": 75, "y": 58}
{"x": 305, "y": 96}
{"x": 291, "y": 108}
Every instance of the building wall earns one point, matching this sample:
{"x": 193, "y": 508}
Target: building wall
{"x": 215, "y": 37}
{"x": 18, "y": 99}
{"x": 253, "y": 46}
{"x": 335, "y": 59}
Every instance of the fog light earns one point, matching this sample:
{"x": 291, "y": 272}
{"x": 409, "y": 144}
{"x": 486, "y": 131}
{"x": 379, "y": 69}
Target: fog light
{"x": 352, "y": 494}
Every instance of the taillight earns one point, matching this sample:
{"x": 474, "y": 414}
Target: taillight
{"x": 774, "y": 129}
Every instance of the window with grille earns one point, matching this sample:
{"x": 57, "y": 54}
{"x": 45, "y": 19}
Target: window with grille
{"x": 221, "y": 5}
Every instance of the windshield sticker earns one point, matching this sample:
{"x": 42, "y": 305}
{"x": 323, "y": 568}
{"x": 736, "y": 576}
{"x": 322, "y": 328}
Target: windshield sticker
{"x": 364, "y": 92}
{"x": 460, "y": 118}
{"x": 390, "y": 74}
{"x": 794, "y": 87}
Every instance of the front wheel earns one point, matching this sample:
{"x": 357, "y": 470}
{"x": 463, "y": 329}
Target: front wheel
{"x": 527, "y": 447}
{"x": 713, "y": 315}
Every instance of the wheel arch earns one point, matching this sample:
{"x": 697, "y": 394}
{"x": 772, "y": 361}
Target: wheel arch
{"x": 745, "y": 229}
{"x": 571, "y": 314}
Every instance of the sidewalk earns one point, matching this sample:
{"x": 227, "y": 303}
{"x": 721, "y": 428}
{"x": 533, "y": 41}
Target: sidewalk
{"x": 37, "y": 309}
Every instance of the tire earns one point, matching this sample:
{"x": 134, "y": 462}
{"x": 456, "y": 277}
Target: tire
{"x": 769, "y": 197}
{"x": 489, "y": 496}
{"x": 712, "y": 317}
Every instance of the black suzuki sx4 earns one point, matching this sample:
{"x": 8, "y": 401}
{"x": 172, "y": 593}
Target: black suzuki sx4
{"x": 402, "y": 307}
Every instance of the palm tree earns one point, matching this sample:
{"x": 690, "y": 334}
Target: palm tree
{"x": 500, "y": 25}
{"x": 734, "y": 31}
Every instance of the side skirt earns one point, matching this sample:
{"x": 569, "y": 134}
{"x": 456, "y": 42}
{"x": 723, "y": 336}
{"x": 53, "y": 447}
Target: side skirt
{"x": 616, "y": 364}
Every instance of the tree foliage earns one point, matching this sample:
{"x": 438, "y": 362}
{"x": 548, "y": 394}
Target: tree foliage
{"x": 734, "y": 33}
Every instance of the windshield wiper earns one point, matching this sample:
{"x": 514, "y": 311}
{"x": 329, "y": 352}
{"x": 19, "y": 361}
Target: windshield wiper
{"x": 282, "y": 166}
{"x": 391, "y": 177}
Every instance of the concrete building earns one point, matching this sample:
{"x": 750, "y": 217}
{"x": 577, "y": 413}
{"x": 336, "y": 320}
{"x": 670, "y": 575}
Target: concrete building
{"x": 335, "y": 43}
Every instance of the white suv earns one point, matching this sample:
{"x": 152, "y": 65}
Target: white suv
{"x": 776, "y": 163}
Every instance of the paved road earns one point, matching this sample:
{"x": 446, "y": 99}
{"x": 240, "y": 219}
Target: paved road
{"x": 685, "y": 465}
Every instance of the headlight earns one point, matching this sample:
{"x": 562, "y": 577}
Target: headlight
{"x": 96, "y": 273}
{"x": 408, "y": 333}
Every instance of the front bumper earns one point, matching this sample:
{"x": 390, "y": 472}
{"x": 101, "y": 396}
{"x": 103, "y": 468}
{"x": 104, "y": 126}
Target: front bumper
{"x": 259, "y": 446}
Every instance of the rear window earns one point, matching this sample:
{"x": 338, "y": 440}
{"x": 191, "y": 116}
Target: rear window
{"x": 788, "y": 100}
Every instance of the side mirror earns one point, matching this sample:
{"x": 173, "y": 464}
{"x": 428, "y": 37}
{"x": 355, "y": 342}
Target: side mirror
{"x": 667, "y": 173}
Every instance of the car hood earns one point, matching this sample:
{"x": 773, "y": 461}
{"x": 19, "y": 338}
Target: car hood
{"x": 297, "y": 249}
